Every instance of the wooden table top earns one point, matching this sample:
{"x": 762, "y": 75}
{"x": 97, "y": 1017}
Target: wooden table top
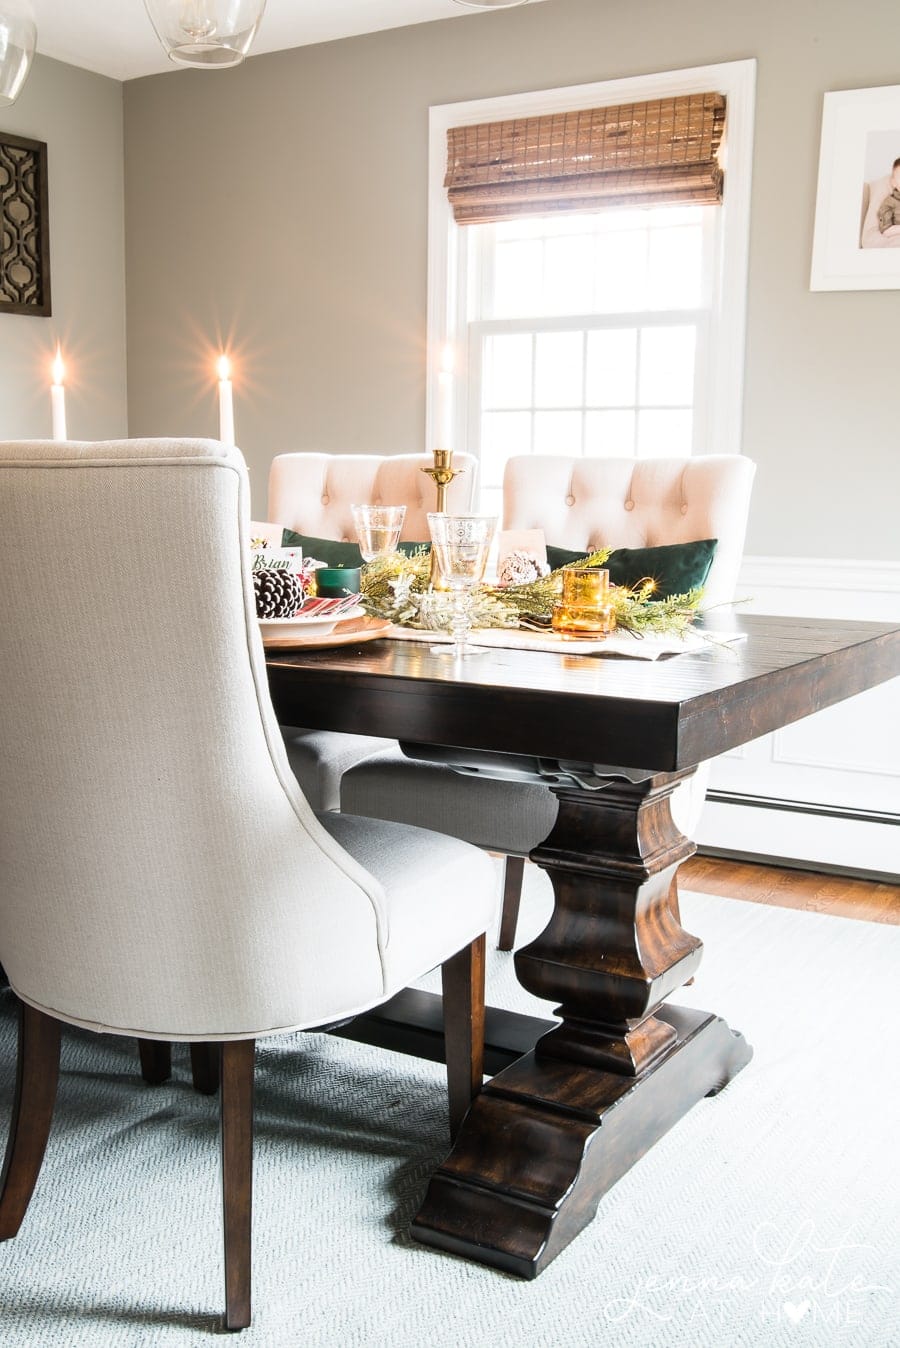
{"x": 665, "y": 715}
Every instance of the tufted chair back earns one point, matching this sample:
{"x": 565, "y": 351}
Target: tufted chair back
{"x": 635, "y": 503}
{"x": 312, "y": 493}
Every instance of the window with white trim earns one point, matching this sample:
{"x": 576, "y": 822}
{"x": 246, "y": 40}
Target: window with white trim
{"x": 609, "y": 331}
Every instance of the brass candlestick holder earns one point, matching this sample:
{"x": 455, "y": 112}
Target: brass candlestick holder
{"x": 442, "y": 474}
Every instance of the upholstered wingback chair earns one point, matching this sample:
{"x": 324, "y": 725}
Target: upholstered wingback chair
{"x": 580, "y": 504}
{"x": 164, "y": 876}
{"x": 312, "y": 494}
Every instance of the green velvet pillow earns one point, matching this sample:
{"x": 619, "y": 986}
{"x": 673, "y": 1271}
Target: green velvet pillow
{"x": 676, "y": 567}
{"x": 333, "y": 553}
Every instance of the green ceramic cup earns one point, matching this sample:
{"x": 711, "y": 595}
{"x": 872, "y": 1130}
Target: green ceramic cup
{"x": 336, "y": 582}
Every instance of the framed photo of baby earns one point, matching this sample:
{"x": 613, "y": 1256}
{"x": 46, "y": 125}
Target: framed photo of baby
{"x": 856, "y": 243}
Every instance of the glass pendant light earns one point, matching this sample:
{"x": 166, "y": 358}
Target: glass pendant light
{"x": 211, "y": 33}
{"x": 18, "y": 36}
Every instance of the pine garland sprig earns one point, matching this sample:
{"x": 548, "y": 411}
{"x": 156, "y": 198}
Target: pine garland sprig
{"x": 393, "y": 587}
{"x": 388, "y": 583}
{"x": 636, "y": 611}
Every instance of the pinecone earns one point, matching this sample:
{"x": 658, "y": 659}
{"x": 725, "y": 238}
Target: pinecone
{"x": 521, "y": 568}
{"x": 279, "y": 594}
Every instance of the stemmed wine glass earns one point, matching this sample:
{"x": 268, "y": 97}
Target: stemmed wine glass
{"x": 378, "y": 529}
{"x": 461, "y": 544}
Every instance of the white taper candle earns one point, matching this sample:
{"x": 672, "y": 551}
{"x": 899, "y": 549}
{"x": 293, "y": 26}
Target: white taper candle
{"x": 58, "y": 398}
{"x": 226, "y": 402}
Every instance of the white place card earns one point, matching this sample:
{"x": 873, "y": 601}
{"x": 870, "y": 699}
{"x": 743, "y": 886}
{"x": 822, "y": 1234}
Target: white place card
{"x": 530, "y": 541}
{"x": 278, "y": 559}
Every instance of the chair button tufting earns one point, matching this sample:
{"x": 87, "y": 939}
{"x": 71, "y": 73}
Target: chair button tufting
{"x": 570, "y": 500}
{"x": 325, "y": 498}
{"x": 629, "y": 505}
{"x": 684, "y": 509}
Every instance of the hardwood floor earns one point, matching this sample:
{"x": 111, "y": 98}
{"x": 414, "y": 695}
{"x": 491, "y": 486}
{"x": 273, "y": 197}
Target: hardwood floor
{"x": 837, "y": 895}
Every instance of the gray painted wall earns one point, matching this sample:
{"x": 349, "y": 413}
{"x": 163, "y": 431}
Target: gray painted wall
{"x": 283, "y": 206}
{"x": 79, "y": 115}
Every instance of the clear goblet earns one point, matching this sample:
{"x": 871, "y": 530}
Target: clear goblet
{"x": 378, "y": 529}
{"x": 461, "y": 544}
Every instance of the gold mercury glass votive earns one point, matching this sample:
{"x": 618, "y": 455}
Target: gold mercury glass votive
{"x": 585, "y": 609}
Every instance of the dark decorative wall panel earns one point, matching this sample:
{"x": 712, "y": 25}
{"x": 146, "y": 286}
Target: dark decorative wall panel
{"x": 24, "y": 235}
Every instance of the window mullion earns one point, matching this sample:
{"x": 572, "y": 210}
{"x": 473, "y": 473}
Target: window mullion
{"x": 700, "y": 439}
{"x": 588, "y": 322}
{"x": 533, "y": 418}
{"x": 584, "y": 351}
{"x": 636, "y": 391}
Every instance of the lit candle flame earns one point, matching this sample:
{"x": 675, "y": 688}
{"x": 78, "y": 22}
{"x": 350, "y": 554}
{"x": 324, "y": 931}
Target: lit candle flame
{"x": 59, "y": 369}
{"x": 223, "y": 365}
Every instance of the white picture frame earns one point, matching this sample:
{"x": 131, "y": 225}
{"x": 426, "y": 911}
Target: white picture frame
{"x": 860, "y": 141}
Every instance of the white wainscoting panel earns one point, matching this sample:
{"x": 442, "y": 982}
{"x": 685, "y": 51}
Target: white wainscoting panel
{"x": 826, "y": 790}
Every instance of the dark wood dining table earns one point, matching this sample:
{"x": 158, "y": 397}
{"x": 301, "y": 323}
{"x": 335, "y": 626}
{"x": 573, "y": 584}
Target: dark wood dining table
{"x": 566, "y": 1116}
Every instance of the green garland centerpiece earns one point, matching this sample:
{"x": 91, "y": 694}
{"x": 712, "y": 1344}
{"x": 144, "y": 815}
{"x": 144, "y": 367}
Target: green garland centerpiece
{"x": 397, "y": 588}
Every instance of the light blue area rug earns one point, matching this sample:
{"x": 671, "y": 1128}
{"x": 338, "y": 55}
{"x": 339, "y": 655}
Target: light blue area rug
{"x": 770, "y": 1216}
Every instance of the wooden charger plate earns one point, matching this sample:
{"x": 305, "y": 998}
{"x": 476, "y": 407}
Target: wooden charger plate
{"x": 346, "y": 633}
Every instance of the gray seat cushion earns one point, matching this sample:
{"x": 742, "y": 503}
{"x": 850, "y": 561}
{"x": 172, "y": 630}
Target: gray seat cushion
{"x": 424, "y": 920}
{"x": 319, "y": 757}
{"x": 510, "y": 817}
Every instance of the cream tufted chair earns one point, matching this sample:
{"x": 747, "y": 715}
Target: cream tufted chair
{"x": 164, "y": 876}
{"x": 580, "y": 504}
{"x": 312, "y": 494}
{"x": 628, "y": 503}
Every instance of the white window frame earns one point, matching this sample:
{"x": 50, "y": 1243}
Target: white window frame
{"x": 447, "y": 281}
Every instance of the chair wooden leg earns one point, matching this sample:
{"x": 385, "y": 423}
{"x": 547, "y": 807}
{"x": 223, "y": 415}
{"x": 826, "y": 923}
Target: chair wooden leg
{"x": 236, "y": 1058}
{"x": 37, "y": 1074}
{"x": 205, "y": 1067}
{"x": 156, "y": 1060}
{"x": 513, "y": 874}
{"x": 462, "y": 979}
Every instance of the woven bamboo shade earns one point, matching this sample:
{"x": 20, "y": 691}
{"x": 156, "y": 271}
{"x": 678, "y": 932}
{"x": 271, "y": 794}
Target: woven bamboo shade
{"x": 660, "y": 153}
